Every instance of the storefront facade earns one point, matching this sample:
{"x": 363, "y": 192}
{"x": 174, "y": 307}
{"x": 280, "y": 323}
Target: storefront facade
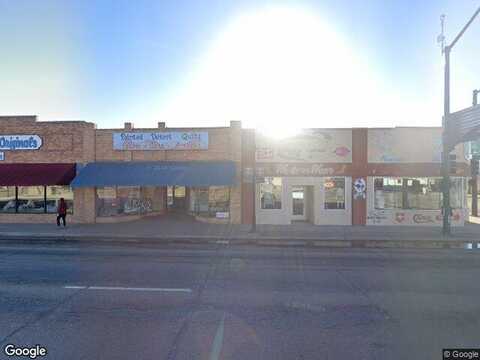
{"x": 404, "y": 184}
{"x": 115, "y": 175}
{"x": 306, "y": 178}
{"x": 354, "y": 177}
{"x": 319, "y": 176}
{"x": 38, "y": 162}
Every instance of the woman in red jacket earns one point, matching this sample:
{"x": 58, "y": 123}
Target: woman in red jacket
{"x": 62, "y": 212}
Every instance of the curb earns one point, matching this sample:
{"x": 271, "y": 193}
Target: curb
{"x": 262, "y": 241}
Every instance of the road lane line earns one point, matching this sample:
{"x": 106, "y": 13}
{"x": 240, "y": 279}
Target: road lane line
{"x": 120, "y": 288}
{"x": 75, "y": 287}
{"x": 218, "y": 340}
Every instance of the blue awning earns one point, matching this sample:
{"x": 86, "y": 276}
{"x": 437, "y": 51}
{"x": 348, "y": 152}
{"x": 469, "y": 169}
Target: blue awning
{"x": 156, "y": 173}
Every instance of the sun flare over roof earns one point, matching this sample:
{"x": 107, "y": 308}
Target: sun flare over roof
{"x": 277, "y": 69}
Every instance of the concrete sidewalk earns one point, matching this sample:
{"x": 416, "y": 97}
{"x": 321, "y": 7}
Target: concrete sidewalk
{"x": 184, "y": 229}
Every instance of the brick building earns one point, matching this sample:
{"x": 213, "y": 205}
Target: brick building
{"x": 111, "y": 175}
{"x": 320, "y": 176}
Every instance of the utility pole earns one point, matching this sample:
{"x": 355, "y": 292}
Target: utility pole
{"x": 446, "y": 50}
{"x": 254, "y": 185}
{"x": 474, "y": 168}
{"x": 474, "y": 163}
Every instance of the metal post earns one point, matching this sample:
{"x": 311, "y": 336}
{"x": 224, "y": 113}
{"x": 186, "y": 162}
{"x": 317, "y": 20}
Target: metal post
{"x": 475, "y": 195}
{"x": 475, "y": 97}
{"x": 254, "y": 178}
{"x": 446, "y": 151}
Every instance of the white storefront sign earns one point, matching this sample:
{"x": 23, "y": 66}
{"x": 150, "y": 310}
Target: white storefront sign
{"x": 308, "y": 146}
{"x": 160, "y": 141}
{"x": 222, "y": 215}
{"x": 413, "y": 217}
{"x": 20, "y": 142}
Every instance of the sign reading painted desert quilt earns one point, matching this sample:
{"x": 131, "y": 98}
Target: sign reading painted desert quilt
{"x": 311, "y": 145}
{"x": 160, "y": 141}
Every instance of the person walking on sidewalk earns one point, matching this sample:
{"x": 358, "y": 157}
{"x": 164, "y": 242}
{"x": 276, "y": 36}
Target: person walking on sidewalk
{"x": 62, "y": 212}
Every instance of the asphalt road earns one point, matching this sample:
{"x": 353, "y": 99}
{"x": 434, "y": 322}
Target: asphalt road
{"x": 224, "y": 302}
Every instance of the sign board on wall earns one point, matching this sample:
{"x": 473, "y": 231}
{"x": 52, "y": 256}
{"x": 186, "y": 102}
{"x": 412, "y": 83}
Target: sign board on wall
{"x": 297, "y": 169}
{"x": 160, "y": 141}
{"x": 412, "y": 217}
{"x": 311, "y": 146}
{"x": 20, "y": 142}
{"x": 407, "y": 145}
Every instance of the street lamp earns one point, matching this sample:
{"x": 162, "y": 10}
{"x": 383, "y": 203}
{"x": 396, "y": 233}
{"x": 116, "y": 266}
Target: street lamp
{"x": 446, "y": 107}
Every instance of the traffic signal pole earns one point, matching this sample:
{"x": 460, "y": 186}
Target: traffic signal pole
{"x": 474, "y": 164}
{"x": 474, "y": 167}
{"x": 446, "y": 151}
{"x": 445, "y": 145}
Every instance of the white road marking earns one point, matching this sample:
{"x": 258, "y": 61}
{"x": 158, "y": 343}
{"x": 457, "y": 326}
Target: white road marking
{"x": 218, "y": 340}
{"x": 119, "y": 288}
{"x": 75, "y": 287}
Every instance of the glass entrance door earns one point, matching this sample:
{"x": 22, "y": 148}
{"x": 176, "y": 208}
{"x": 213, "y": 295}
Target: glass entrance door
{"x": 176, "y": 198}
{"x": 298, "y": 203}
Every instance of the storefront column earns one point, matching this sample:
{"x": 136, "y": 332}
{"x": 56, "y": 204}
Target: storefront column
{"x": 84, "y": 205}
{"x": 248, "y": 157}
{"x": 359, "y": 171}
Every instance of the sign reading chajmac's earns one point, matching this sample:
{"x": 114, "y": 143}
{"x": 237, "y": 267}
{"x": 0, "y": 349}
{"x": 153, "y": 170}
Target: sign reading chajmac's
{"x": 20, "y": 142}
{"x": 160, "y": 141}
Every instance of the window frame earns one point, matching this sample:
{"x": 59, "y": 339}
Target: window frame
{"x": 281, "y": 194}
{"x": 404, "y": 191}
{"x": 344, "y": 193}
{"x": 44, "y": 211}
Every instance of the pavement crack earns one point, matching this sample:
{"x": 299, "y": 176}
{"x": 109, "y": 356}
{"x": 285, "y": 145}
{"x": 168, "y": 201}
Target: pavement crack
{"x": 213, "y": 268}
{"x": 363, "y": 292}
{"x": 39, "y": 317}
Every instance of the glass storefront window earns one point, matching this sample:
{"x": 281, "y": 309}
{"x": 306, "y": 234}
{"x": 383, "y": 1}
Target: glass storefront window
{"x": 388, "y": 193}
{"x": 129, "y": 200}
{"x": 334, "y": 189}
{"x": 271, "y": 193}
{"x": 31, "y": 199}
{"x": 424, "y": 193}
{"x": 106, "y": 202}
{"x": 213, "y": 201}
{"x": 416, "y": 193}
{"x": 122, "y": 200}
{"x": 457, "y": 192}
{"x": 54, "y": 193}
{"x": 169, "y": 196}
{"x": 7, "y": 199}
{"x": 219, "y": 201}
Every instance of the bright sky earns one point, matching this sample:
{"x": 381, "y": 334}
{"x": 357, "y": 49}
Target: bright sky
{"x": 275, "y": 65}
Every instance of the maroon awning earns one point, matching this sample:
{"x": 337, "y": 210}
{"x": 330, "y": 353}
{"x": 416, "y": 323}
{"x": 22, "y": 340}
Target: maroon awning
{"x": 36, "y": 174}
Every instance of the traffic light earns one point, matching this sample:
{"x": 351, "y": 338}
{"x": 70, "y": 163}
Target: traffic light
{"x": 453, "y": 163}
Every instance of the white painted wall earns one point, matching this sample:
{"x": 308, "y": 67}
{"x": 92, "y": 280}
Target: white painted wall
{"x": 315, "y": 209}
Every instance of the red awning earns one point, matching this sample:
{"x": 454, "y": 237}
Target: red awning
{"x": 36, "y": 174}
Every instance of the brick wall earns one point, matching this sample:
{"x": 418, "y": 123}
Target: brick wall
{"x": 63, "y": 141}
{"x": 224, "y": 143}
{"x": 80, "y": 142}
{"x": 219, "y": 147}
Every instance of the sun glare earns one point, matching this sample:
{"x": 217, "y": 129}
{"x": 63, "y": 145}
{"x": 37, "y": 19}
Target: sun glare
{"x": 277, "y": 70}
